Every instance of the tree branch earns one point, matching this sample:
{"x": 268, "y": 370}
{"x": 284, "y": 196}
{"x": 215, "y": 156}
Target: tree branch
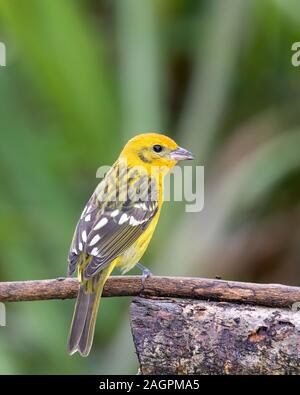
{"x": 272, "y": 295}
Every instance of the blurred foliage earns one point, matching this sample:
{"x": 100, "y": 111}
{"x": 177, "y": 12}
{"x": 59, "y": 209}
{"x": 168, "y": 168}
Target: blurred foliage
{"x": 84, "y": 76}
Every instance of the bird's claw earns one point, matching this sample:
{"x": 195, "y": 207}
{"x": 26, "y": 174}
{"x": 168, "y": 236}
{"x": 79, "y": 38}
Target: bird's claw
{"x": 146, "y": 273}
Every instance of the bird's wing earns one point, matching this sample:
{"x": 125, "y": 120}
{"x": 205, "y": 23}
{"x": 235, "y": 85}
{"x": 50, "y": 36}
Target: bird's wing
{"x": 83, "y": 228}
{"x": 106, "y": 232}
{"x": 115, "y": 231}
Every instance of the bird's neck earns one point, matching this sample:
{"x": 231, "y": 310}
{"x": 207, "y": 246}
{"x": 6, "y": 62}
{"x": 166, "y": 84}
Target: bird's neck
{"x": 155, "y": 173}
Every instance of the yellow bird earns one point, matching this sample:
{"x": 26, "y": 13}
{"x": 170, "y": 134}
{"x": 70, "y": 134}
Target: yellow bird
{"x": 117, "y": 224}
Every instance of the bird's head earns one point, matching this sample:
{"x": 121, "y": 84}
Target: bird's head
{"x": 154, "y": 150}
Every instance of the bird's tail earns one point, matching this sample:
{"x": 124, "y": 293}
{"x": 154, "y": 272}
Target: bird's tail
{"x": 85, "y": 313}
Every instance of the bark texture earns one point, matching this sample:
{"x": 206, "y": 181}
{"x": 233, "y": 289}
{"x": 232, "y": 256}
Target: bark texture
{"x": 273, "y": 295}
{"x": 184, "y": 336}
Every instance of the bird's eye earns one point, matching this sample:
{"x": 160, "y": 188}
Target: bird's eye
{"x": 157, "y": 148}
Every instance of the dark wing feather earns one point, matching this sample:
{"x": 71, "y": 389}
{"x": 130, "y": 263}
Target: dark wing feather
{"x": 84, "y": 227}
{"x": 106, "y": 231}
{"x": 117, "y": 234}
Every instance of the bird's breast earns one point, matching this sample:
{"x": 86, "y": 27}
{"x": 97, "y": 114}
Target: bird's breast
{"x": 135, "y": 252}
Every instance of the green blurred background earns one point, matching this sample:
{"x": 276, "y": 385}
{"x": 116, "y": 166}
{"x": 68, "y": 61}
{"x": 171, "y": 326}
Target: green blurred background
{"x": 84, "y": 76}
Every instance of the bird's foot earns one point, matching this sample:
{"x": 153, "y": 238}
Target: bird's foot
{"x": 146, "y": 273}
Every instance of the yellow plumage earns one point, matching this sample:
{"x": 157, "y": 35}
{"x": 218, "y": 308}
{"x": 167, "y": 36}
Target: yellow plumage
{"x": 117, "y": 225}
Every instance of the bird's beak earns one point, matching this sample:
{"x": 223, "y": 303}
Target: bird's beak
{"x": 181, "y": 154}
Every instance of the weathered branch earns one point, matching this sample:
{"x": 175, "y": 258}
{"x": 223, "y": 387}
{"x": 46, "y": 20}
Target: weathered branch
{"x": 272, "y": 295}
{"x": 200, "y": 337}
